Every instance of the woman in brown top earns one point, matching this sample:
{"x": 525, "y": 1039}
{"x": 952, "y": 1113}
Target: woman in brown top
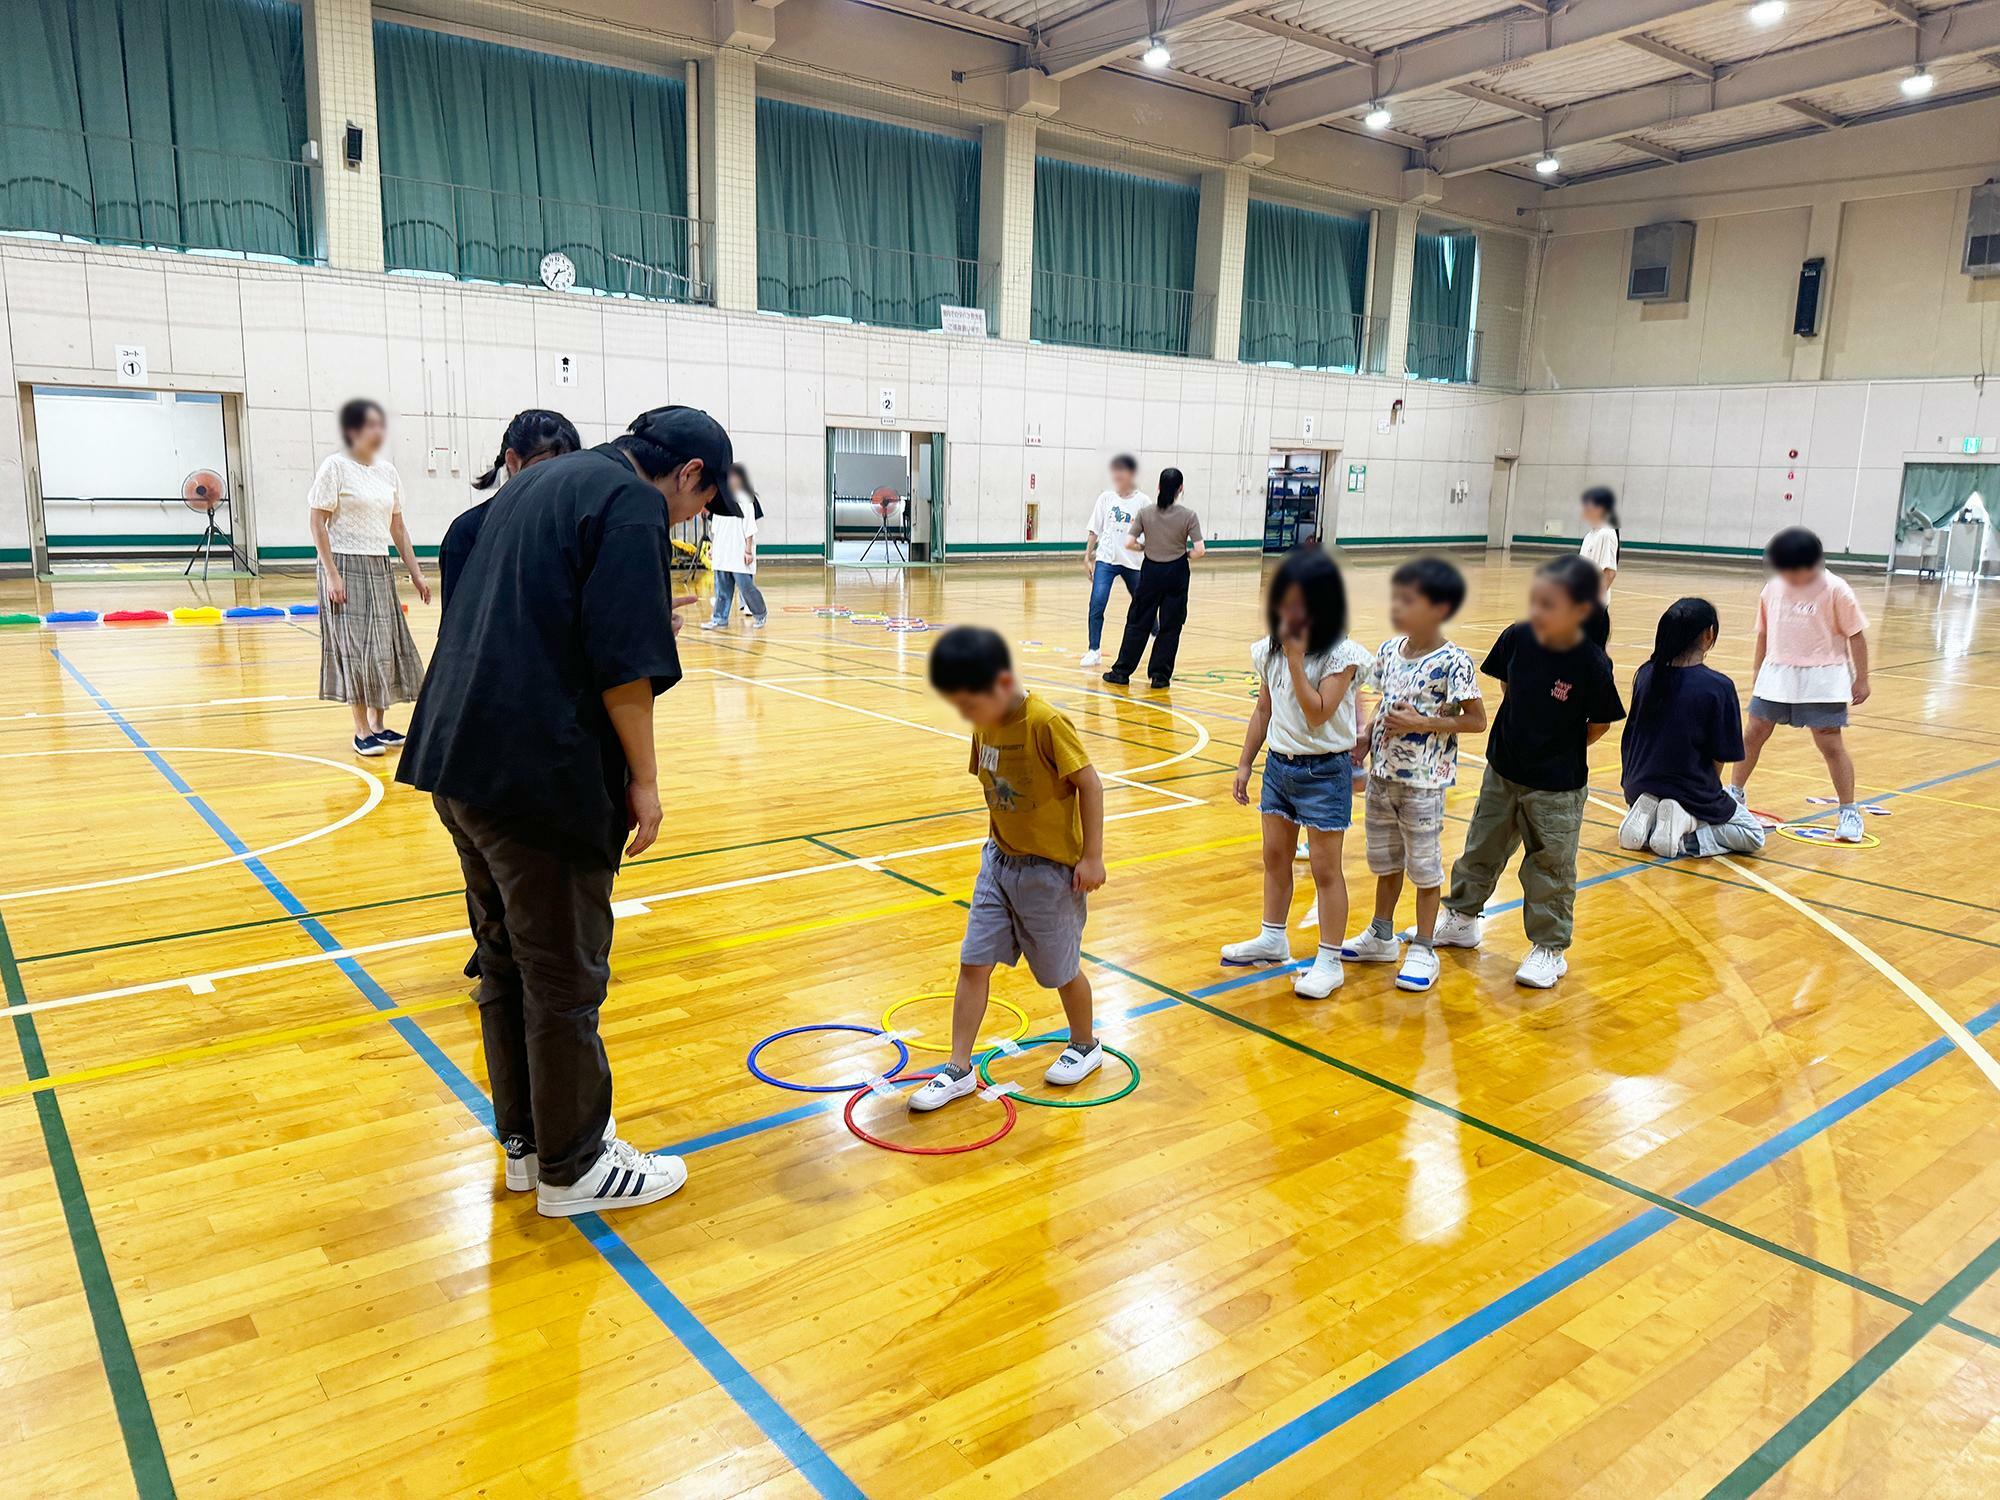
{"x": 1170, "y": 535}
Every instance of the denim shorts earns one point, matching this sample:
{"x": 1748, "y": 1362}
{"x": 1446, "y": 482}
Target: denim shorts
{"x": 1313, "y": 791}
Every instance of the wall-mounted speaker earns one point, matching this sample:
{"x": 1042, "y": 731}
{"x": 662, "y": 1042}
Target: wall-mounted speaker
{"x": 1805, "y": 313}
{"x": 354, "y": 145}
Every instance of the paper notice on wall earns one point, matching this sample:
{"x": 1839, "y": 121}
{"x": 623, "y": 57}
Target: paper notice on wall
{"x": 129, "y": 361}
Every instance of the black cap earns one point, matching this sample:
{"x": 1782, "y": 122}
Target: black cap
{"x": 688, "y": 432}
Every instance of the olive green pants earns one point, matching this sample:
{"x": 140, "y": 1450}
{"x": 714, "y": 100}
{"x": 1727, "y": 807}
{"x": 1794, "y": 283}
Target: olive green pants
{"x": 1546, "y": 826}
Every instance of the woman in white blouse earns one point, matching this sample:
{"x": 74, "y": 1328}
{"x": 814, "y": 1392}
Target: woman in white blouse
{"x": 366, "y": 657}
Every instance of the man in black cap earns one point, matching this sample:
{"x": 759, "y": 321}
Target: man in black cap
{"x": 534, "y": 735}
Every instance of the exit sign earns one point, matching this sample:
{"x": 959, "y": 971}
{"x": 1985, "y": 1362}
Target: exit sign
{"x": 1968, "y": 445}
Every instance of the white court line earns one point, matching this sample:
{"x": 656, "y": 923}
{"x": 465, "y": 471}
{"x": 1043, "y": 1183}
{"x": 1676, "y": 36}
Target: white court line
{"x": 204, "y": 983}
{"x": 156, "y": 708}
{"x": 367, "y": 806}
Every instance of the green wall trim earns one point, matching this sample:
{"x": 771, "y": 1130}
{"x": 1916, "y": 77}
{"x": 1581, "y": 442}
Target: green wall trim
{"x": 14, "y": 555}
{"x": 188, "y": 539}
{"x": 1460, "y": 539}
{"x": 1697, "y": 549}
{"x": 792, "y": 549}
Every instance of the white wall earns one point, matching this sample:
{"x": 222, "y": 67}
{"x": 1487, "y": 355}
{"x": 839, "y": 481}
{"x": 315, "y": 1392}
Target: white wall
{"x": 452, "y": 363}
{"x": 1709, "y": 468}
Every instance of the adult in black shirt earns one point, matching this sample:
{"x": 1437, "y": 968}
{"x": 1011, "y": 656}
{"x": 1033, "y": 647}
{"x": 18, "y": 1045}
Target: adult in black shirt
{"x": 1559, "y": 700}
{"x": 534, "y": 735}
{"x": 1686, "y": 724}
{"x": 533, "y": 435}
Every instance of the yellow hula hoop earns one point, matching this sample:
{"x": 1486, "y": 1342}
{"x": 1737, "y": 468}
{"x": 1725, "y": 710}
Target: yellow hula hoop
{"x": 889, "y": 1021}
{"x": 1825, "y": 839}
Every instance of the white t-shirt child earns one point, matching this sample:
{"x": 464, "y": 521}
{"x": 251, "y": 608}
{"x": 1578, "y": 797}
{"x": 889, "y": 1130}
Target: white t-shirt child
{"x": 729, "y": 540}
{"x": 1601, "y": 548}
{"x": 1290, "y": 734}
{"x": 1111, "y": 520}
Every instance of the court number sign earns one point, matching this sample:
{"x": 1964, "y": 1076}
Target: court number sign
{"x": 129, "y": 360}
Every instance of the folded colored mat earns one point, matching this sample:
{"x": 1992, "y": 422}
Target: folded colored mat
{"x": 254, "y": 612}
{"x": 197, "y": 615}
{"x": 71, "y": 617}
{"x": 135, "y": 616}
{"x": 305, "y": 609}
{"x": 20, "y": 619}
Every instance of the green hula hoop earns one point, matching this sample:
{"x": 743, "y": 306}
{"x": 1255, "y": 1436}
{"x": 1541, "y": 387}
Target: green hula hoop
{"x": 986, "y": 1076}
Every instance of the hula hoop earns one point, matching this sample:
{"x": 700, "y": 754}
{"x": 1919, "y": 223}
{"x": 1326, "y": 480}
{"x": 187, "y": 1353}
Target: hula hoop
{"x": 986, "y": 1077}
{"x": 902, "y": 1058}
{"x": 888, "y": 1017}
{"x": 847, "y": 1115}
{"x": 1815, "y": 833}
{"x": 913, "y": 627}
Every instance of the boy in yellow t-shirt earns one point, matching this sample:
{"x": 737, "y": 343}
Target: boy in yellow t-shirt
{"x": 1044, "y": 854}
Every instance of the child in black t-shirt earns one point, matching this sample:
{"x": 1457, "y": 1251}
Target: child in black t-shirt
{"x": 1560, "y": 698}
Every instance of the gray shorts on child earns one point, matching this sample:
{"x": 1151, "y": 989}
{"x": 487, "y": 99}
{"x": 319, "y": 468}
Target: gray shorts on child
{"x": 1406, "y": 830}
{"x": 1800, "y": 715}
{"x": 1022, "y": 905}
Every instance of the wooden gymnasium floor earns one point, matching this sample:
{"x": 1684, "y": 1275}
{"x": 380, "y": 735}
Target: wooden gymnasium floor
{"x": 1720, "y": 1212}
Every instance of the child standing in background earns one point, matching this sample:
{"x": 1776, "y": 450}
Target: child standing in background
{"x": 732, "y": 553}
{"x": 1429, "y": 696}
{"x": 1560, "y": 699}
{"x": 1600, "y": 549}
{"x": 1044, "y": 855}
{"x": 1305, "y": 709}
{"x": 1810, "y": 663}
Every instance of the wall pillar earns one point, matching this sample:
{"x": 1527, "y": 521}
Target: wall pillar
{"x": 1390, "y": 279}
{"x": 1822, "y": 238}
{"x": 729, "y": 175}
{"x": 340, "y": 91}
{"x": 1221, "y": 231}
{"x": 1007, "y": 224}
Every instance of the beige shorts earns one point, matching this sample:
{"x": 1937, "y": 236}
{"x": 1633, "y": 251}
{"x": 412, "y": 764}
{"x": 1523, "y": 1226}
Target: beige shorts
{"x": 1406, "y": 831}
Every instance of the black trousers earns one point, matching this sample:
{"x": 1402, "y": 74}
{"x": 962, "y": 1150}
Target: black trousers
{"x": 541, "y": 920}
{"x": 1159, "y": 610}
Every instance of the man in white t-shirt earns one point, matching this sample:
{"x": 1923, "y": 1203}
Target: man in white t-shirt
{"x": 1108, "y": 556}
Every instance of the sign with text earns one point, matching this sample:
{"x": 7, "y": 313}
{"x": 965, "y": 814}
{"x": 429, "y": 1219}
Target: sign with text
{"x": 129, "y": 360}
{"x": 969, "y": 321}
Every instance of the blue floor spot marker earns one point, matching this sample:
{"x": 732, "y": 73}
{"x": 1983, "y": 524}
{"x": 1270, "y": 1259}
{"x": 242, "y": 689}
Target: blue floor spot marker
{"x": 727, "y": 1371}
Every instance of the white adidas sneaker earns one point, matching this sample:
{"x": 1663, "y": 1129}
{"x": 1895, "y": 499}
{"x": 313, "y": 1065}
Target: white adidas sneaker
{"x": 523, "y": 1167}
{"x": 623, "y": 1176}
{"x": 1364, "y": 947}
{"x": 1264, "y": 948}
{"x": 1075, "y": 1065}
{"x": 1638, "y": 824}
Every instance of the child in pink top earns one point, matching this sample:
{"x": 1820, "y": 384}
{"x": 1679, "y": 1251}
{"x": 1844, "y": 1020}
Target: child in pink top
{"x": 1810, "y": 663}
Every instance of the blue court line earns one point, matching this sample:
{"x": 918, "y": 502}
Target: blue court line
{"x": 723, "y": 1367}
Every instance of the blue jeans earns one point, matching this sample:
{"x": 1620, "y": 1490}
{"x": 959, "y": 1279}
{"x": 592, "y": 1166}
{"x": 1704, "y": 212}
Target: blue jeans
{"x": 1101, "y": 579}
{"x": 726, "y": 585}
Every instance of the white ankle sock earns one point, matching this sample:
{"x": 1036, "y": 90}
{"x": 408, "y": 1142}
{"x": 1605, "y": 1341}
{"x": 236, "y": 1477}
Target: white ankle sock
{"x": 1274, "y": 930}
{"x": 1329, "y": 955}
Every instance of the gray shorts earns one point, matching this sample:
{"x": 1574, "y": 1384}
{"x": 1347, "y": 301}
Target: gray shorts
{"x": 1406, "y": 830}
{"x": 1800, "y": 715}
{"x": 1024, "y": 905}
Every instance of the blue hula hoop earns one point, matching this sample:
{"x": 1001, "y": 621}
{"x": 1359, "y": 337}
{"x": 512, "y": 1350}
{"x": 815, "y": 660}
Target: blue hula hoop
{"x": 902, "y": 1058}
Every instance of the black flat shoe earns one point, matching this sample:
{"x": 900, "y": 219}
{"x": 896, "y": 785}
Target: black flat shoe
{"x": 1161, "y": 682}
{"x": 1117, "y": 679}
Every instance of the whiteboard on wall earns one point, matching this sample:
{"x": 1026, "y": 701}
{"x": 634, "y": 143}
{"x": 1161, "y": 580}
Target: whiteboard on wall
{"x": 99, "y": 444}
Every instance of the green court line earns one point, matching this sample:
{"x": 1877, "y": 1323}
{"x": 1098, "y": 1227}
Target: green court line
{"x": 1782, "y": 1446}
{"x": 1499, "y": 1132}
{"x": 114, "y": 1342}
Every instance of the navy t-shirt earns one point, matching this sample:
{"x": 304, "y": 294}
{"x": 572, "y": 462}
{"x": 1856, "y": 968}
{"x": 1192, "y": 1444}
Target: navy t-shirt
{"x": 1687, "y": 719}
{"x": 1552, "y": 696}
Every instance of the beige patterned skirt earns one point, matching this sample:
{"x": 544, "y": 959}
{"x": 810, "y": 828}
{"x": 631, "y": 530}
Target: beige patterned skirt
{"x": 365, "y": 651}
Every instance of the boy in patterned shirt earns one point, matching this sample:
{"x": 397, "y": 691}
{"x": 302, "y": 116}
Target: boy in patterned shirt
{"x": 1429, "y": 696}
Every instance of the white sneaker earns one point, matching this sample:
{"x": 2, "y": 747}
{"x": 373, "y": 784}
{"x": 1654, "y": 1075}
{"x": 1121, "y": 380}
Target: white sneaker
{"x": 623, "y": 1176}
{"x": 1365, "y": 947}
{"x": 1848, "y": 829}
{"x": 523, "y": 1167}
{"x": 1090, "y": 658}
{"x": 1074, "y": 1066}
{"x": 1264, "y": 948}
{"x": 1419, "y": 970}
{"x": 1322, "y": 979}
{"x": 943, "y": 1088}
{"x": 1304, "y": 850}
{"x": 1455, "y": 930}
{"x": 1541, "y": 968}
{"x": 757, "y": 621}
{"x": 1638, "y": 824}
{"x": 1741, "y": 794}
{"x": 1675, "y": 824}
{"x": 711, "y": 623}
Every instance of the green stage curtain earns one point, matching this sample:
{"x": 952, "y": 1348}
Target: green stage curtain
{"x": 1933, "y": 494}
{"x": 859, "y": 219}
{"x": 1304, "y": 283}
{"x": 1114, "y": 259}
{"x": 1447, "y": 266}
{"x": 492, "y": 157}
{"x": 156, "y": 122}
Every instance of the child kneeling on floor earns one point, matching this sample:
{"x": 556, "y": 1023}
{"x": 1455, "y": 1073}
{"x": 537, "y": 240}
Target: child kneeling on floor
{"x": 1044, "y": 854}
{"x": 1429, "y": 696}
{"x": 1305, "y": 709}
{"x": 1686, "y": 723}
{"x": 1560, "y": 698}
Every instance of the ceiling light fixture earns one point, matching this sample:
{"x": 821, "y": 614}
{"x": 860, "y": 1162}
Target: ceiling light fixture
{"x": 1767, "y": 12}
{"x": 1377, "y": 117}
{"x": 1548, "y": 166}
{"x": 1156, "y": 54}
{"x": 1919, "y": 83}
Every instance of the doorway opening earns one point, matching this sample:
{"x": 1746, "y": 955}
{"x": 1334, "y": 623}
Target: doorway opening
{"x": 1294, "y": 500}
{"x": 884, "y": 503}
{"x": 1500, "y": 504}
{"x": 125, "y": 481}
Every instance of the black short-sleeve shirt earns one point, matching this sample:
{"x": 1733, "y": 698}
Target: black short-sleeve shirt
{"x": 1538, "y": 733}
{"x": 567, "y": 594}
{"x": 1686, "y": 720}
{"x": 456, "y": 547}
